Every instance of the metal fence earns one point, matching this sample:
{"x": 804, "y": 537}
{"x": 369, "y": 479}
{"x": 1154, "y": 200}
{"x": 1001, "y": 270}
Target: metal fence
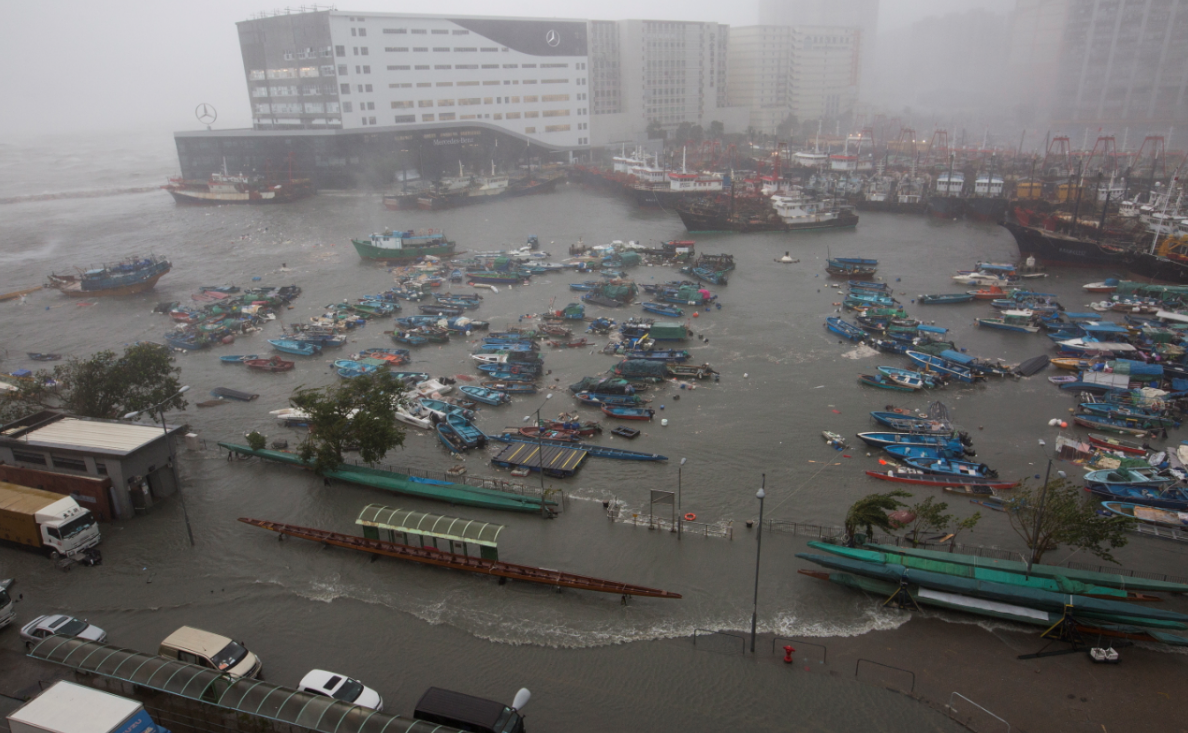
{"x": 724, "y": 529}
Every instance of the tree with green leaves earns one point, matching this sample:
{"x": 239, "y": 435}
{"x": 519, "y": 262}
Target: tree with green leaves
{"x": 871, "y": 511}
{"x": 103, "y": 385}
{"x": 356, "y": 412}
{"x": 931, "y": 517}
{"x": 656, "y": 131}
{"x": 1045, "y": 520}
{"x": 716, "y": 129}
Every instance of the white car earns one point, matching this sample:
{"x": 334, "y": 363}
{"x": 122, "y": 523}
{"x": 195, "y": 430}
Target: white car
{"x": 43, "y": 627}
{"x": 341, "y": 687}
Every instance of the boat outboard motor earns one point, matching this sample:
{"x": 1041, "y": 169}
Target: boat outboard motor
{"x": 970, "y": 452}
{"x": 965, "y": 439}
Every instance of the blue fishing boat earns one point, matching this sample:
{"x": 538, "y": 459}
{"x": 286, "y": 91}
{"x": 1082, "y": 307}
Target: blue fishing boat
{"x": 409, "y": 377}
{"x": 869, "y": 285}
{"x": 417, "y": 321}
{"x": 408, "y": 338}
{"x": 941, "y": 366}
{"x": 450, "y": 438}
{"x": 1140, "y": 417}
{"x": 910, "y": 377}
{"x": 455, "y": 301}
{"x": 889, "y": 346}
{"x": 238, "y": 359}
{"x": 1135, "y": 477}
{"x": 353, "y": 365}
{"x": 845, "y": 329}
{"x": 933, "y": 452}
{"x": 1148, "y": 514}
{"x": 599, "y": 451}
{"x": 667, "y": 355}
{"x": 662, "y": 309}
{"x": 1108, "y": 424}
{"x": 441, "y": 309}
{"x": 470, "y": 435}
{"x": 628, "y": 413}
{"x": 881, "y": 440}
{"x": 292, "y": 346}
{"x": 949, "y": 467}
{"x": 485, "y": 395}
{"x": 441, "y": 410}
{"x": 510, "y": 388}
{"x": 1174, "y": 499}
{"x": 597, "y": 399}
{"x": 945, "y": 298}
{"x": 186, "y": 341}
{"x": 912, "y": 423}
{"x": 882, "y": 381}
{"x": 492, "y": 346}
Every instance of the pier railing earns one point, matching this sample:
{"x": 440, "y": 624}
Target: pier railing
{"x": 724, "y": 529}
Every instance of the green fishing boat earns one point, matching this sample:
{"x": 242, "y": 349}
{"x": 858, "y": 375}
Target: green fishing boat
{"x": 398, "y": 246}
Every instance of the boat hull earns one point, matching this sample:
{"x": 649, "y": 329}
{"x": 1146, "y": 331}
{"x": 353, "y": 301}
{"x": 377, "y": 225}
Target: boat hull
{"x": 370, "y": 252}
{"x": 1053, "y": 248}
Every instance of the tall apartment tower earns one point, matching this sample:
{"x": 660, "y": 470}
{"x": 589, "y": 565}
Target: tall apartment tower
{"x": 806, "y": 72}
{"x": 1123, "y": 64}
{"x": 860, "y": 14}
{"x": 669, "y": 72}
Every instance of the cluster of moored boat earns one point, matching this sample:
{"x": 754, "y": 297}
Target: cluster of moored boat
{"x": 219, "y": 312}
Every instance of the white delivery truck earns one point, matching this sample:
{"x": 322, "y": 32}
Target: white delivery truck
{"x": 69, "y": 708}
{"x": 51, "y": 522}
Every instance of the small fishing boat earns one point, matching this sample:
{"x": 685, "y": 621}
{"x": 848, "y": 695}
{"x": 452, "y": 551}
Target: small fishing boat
{"x": 291, "y": 417}
{"x": 485, "y": 395}
{"x": 300, "y": 348}
{"x": 626, "y": 432}
{"x": 415, "y": 414}
{"x": 951, "y": 467}
{"x": 882, "y": 381}
{"x": 1105, "y": 286}
{"x": 510, "y": 387}
{"x": 1012, "y": 320}
{"x": 470, "y": 435}
{"x": 587, "y": 285}
{"x": 598, "y": 451}
{"x": 441, "y": 409}
{"x": 945, "y": 298}
{"x": 1149, "y": 514}
{"x": 441, "y": 309}
{"x": 450, "y": 438}
{"x": 926, "y": 452}
{"x": 1111, "y": 443}
{"x": 275, "y": 364}
{"x": 354, "y": 365}
{"x": 575, "y": 426}
{"x": 881, "y": 440}
{"x": 563, "y": 436}
{"x": 921, "y": 478}
{"x": 598, "y": 399}
{"x": 38, "y": 356}
{"x": 551, "y": 329}
{"x": 663, "y": 309}
{"x": 910, "y": 377}
{"x": 1108, "y": 424}
{"x": 409, "y": 338}
{"x": 627, "y": 413}
{"x": 233, "y": 394}
{"x": 238, "y": 358}
{"x": 1136, "y": 477}
{"x": 851, "y": 267}
{"x": 992, "y": 292}
{"x": 395, "y": 357}
{"x": 671, "y": 355}
{"x": 912, "y": 423}
{"x": 1068, "y": 379}
{"x": 942, "y": 366}
{"x": 845, "y": 329}
{"x": 580, "y": 343}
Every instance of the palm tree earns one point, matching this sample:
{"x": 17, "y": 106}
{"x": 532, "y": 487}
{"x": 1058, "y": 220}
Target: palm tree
{"x": 871, "y": 511}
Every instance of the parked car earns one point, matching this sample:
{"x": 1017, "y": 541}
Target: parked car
{"x": 214, "y": 651}
{"x": 457, "y": 710}
{"x": 57, "y": 624}
{"x": 7, "y": 607}
{"x": 341, "y": 687}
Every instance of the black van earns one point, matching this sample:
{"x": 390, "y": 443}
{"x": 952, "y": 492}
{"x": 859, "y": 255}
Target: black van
{"x": 467, "y": 712}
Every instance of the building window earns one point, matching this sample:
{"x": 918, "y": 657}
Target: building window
{"x": 554, "y": 81}
{"x": 513, "y": 115}
{"x": 554, "y": 66}
{"x": 402, "y": 119}
{"x": 395, "y": 30}
{"x": 340, "y": 50}
{"x": 344, "y": 88}
{"x": 532, "y": 114}
{"x": 511, "y": 66}
{"x": 398, "y": 68}
{"x": 419, "y": 31}
{"x": 101, "y": 468}
{"x": 367, "y": 87}
{"x": 498, "y": 116}
{"x": 422, "y": 67}
{"x": 557, "y": 128}
{"x": 445, "y": 117}
{"x": 461, "y": 33}
{"x": 491, "y": 83}
{"x": 490, "y": 66}
{"x": 528, "y": 99}
{"x": 402, "y": 105}
{"x": 555, "y": 98}
{"x": 363, "y": 32}
{"x": 530, "y": 81}
{"x": 425, "y": 103}
{"x": 426, "y": 118}
{"x": 469, "y": 101}
{"x": 468, "y": 83}
{"x": 555, "y": 113}
{"x": 424, "y": 84}
{"x": 70, "y": 464}
{"x": 370, "y": 105}
{"x": 466, "y": 66}
{"x": 366, "y": 69}
{"x": 396, "y": 49}
{"x": 489, "y": 50}
{"x": 445, "y": 83}
{"x": 530, "y": 130}
{"x": 445, "y": 103}
{"x": 441, "y": 67}
{"x": 440, "y": 32}
{"x": 440, "y": 49}
{"x": 346, "y": 107}
{"x": 465, "y": 50}
{"x": 21, "y": 456}
{"x": 529, "y": 66}
{"x": 342, "y": 70}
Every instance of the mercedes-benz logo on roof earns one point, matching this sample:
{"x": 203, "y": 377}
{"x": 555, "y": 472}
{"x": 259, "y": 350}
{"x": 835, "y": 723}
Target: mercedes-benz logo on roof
{"x": 206, "y": 113}
{"x": 553, "y": 38}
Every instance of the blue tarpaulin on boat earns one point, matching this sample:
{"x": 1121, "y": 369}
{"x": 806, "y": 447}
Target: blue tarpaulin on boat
{"x": 956, "y": 357}
{"x": 1138, "y": 368}
{"x": 1179, "y": 385}
{"x": 931, "y": 329}
{"x": 1081, "y": 316}
{"x": 1098, "y": 329}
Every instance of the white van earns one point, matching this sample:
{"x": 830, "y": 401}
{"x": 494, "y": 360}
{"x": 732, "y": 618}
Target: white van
{"x": 196, "y": 646}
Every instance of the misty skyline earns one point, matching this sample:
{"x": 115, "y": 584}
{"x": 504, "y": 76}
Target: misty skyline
{"x": 128, "y": 65}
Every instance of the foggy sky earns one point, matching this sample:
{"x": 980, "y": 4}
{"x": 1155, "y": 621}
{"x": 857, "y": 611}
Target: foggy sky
{"x": 128, "y": 65}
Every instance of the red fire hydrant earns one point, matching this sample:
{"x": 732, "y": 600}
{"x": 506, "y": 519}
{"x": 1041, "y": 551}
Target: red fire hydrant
{"x": 788, "y": 654}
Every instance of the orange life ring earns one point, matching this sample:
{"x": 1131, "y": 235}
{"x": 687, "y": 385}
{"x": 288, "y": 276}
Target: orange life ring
{"x": 515, "y": 370}
{"x": 690, "y": 517}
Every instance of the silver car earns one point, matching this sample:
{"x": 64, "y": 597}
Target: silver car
{"x": 44, "y": 627}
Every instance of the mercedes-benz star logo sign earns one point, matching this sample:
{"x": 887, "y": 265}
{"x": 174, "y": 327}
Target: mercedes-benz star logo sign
{"x": 553, "y": 38}
{"x": 205, "y": 113}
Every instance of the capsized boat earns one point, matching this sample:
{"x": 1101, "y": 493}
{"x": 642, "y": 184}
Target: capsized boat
{"x": 627, "y": 413}
{"x": 883, "y": 381}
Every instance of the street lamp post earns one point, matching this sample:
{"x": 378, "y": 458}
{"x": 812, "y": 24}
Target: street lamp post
{"x": 758, "y": 550}
{"x": 172, "y": 458}
{"x": 540, "y": 448}
{"x": 680, "y": 517}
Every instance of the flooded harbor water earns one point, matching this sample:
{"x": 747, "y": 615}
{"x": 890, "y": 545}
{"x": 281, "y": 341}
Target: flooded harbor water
{"x": 403, "y": 627}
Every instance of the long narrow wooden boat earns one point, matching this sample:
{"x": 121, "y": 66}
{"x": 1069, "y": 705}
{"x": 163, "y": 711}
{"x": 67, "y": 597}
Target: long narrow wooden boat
{"x": 912, "y": 423}
{"x": 1109, "y": 425}
{"x": 275, "y": 364}
{"x": 925, "y": 380}
{"x": 510, "y": 387}
{"x": 878, "y": 440}
{"x": 470, "y": 435}
{"x": 941, "y": 366}
{"x": 485, "y": 395}
{"x": 919, "y": 478}
{"x": 598, "y": 399}
{"x": 1109, "y": 580}
{"x": 844, "y": 329}
{"x": 598, "y": 451}
{"x": 233, "y": 394}
{"x": 663, "y": 309}
{"x": 455, "y": 561}
{"x": 951, "y": 467}
{"x": 1148, "y": 514}
{"x": 945, "y": 298}
{"x": 290, "y": 346}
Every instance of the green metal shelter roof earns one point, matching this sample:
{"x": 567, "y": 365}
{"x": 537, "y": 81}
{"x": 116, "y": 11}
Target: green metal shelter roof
{"x": 253, "y": 697}
{"x": 430, "y": 525}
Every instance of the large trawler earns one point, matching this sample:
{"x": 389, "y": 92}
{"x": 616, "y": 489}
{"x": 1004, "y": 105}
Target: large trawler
{"x": 223, "y": 188}
{"x": 128, "y": 277}
{"x": 404, "y": 246}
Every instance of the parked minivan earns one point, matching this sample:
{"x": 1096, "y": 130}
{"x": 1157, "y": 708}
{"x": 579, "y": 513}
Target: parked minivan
{"x": 204, "y": 648}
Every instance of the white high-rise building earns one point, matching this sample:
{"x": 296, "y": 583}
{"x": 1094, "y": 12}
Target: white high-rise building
{"x": 805, "y": 72}
{"x": 349, "y": 70}
{"x": 860, "y": 14}
{"x": 667, "y": 72}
